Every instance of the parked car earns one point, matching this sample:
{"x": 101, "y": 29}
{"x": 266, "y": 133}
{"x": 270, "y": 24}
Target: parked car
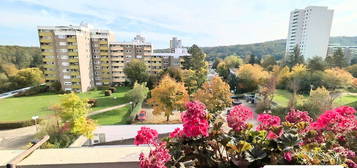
{"x": 142, "y": 115}
{"x": 236, "y": 102}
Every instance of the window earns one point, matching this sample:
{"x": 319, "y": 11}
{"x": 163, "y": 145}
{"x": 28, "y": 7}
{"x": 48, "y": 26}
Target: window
{"x": 65, "y": 70}
{"x": 67, "y": 83}
{"x": 61, "y": 36}
{"x": 62, "y": 43}
{"x": 61, "y": 50}
{"x": 66, "y": 77}
{"x": 65, "y": 63}
{"x": 64, "y": 56}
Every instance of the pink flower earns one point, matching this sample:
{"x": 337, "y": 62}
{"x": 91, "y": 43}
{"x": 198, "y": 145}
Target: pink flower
{"x": 157, "y": 158}
{"x": 275, "y": 135}
{"x": 338, "y": 120}
{"x": 176, "y": 133}
{"x": 194, "y": 120}
{"x": 145, "y": 136}
{"x": 238, "y": 116}
{"x": 287, "y": 156}
{"x": 267, "y": 121}
{"x": 351, "y": 164}
{"x": 296, "y": 116}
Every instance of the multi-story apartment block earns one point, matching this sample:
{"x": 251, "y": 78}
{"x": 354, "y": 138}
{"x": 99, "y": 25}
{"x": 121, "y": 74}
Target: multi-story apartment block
{"x": 309, "y": 29}
{"x": 66, "y": 56}
{"x": 123, "y": 52}
{"x": 100, "y": 40}
{"x": 81, "y": 58}
{"x": 349, "y": 52}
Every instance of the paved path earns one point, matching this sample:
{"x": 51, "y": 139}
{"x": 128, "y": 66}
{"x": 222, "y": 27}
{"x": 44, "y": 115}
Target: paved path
{"x": 16, "y": 138}
{"x": 107, "y": 109}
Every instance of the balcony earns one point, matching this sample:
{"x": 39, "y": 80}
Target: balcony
{"x": 48, "y": 59}
{"x": 76, "y": 86}
{"x": 46, "y": 47}
{"x": 117, "y": 53}
{"x": 147, "y": 53}
{"x": 49, "y": 65}
{"x": 105, "y": 70}
{"x": 72, "y": 39}
{"x": 104, "y": 59}
{"x": 45, "y": 33}
{"x": 75, "y": 73}
{"x": 72, "y": 53}
{"x": 117, "y": 59}
{"x": 104, "y": 64}
{"x": 106, "y": 80}
{"x": 105, "y": 75}
{"x": 47, "y": 53}
{"x": 72, "y": 47}
{"x": 45, "y": 40}
{"x": 73, "y": 60}
{"x": 103, "y": 42}
{"x": 74, "y": 66}
{"x": 103, "y": 48}
{"x": 147, "y": 48}
{"x": 117, "y": 64}
{"x": 104, "y": 53}
{"x": 50, "y": 78}
{"x": 50, "y": 72}
{"x": 75, "y": 80}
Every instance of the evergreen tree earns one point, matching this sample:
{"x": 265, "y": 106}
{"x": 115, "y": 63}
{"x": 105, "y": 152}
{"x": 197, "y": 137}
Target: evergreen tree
{"x": 295, "y": 57}
{"x": 252, "y": 59}
{"x": 339, "y": 58}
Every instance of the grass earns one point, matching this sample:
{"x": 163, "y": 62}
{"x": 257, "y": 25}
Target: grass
{"x": 346, "y": 99}
{"x": 113, "y": 117}
{"x": 23, "y": 108}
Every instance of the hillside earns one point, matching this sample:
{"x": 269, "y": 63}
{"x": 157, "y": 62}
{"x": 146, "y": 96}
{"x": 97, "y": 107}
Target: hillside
{"x": 22, "y": 57}
{"x": 275, "y": 48}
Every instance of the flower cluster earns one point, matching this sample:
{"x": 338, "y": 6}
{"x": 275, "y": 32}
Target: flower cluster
{"x": 271, "y": 124}
{"x": 338, "y": 120}
{"x": 176, "y": 133}
{"x": 146, "y": 136}
{"x": 238, "y": 116}
{"x": 194, "y": 120}
{"x": 296, "y": 116}
{"x": 157, "y": 158}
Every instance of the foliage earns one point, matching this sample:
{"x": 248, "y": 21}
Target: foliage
{"x": 173, "y": 72}
{"x": 329, "y": 140}
{"x": 21, "y": 57}
{"x": 9, "y": 69}
{"x": 353, "y": 70}
{"x": 107, "y": 92}
{"x": 112, "y": 89}
{"x": 136, "y": 71}
{"x": 319, "y": 101}
{"x": 168, "y": 96}
{"x": 216, "y": 62}
{"x": 197, "y": 60}
{"x": 138, "y": 93}
{"x": 250, "y": 76}
{"x": 191, "y": 81}
{"x": 27, "y": 77}
{"x": 338, "y": 59}
{"x": 268, "y": 86}
{"x": 294, "y": 58}
{"x": 337, "y": 78}
{"x": 316, "y": 64}
{"x": 215, "y": 94}
{"x": 268, "y": 62}
{"x": 233, "y": 61}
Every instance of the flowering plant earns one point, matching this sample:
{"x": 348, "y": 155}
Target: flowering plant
{"x": 329, "y": 140}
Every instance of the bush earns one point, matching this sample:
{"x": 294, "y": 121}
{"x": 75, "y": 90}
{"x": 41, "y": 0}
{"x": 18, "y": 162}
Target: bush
{"x": 113, "y": 89}
{"x": 92, "y": 102}
{"x": 103, "y": 87}
{"x": 107, "y": 92}
{"x": 33, "y": 91}
{"x": 17, "y": 124}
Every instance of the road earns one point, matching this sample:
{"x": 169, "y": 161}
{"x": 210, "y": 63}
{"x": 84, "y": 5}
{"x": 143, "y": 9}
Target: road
{"x": 14, "y": 92}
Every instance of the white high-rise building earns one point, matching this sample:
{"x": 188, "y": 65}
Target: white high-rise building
{"x": 309, "y": 29}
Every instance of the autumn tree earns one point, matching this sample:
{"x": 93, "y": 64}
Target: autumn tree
{"x": 173, "y": 72}
{"x": 353, "y": 70}
{"x": 136, "y": 71}
{"x": 268, "y": 86}
{"x": 337, "y": 78}
{"x": 168, "y": 96}
{"x": 216, "y": 62}
{"x": 27, "y": 77}
{"x": 319, "y": 101}
{"x": 268, "y": 62}
{"x": 9, "y": 69}
{"x": 215, "y": 94}
{"x": 295, "y": 76}
{"x": 138, "y": 93}
{"x": 250, "y": 76}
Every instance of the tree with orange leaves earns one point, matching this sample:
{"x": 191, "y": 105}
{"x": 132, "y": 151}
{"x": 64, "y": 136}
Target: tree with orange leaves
{"x": 215, "y": 94}
{"x": 168, "y": 96}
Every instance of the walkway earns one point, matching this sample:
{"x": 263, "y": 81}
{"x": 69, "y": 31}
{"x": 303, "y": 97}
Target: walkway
{"x": 107, "y": 109}
{"x": 16, "y": 138}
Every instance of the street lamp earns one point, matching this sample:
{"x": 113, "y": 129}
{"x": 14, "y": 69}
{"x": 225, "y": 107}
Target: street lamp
{"x": 35, "y": 119}
{"x": 131, "y": 106}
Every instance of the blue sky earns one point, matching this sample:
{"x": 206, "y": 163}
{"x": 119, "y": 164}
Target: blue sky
{"x": 203, "y": 22}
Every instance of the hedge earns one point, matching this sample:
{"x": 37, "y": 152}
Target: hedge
{"x": 17, "y": 124}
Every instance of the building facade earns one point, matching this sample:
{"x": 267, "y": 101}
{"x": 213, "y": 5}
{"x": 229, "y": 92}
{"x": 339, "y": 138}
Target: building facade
{"x": 66, "y": 56}
{"x": 309, "y": 29}
{"x": 81, "y": 58}
{"x": 350, "y": 52}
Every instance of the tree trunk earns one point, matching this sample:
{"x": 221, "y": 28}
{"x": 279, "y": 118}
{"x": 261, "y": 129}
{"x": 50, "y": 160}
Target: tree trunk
{"x": 167, "y": 117}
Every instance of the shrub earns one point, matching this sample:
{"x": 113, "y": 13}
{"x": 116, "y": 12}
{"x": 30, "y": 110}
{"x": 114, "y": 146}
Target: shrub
{"x": 113, "y": 89}
{"x": 33, "y": 91}
{"x": 92, "y": 102}
{"x": 293, "y": 140}
{"x": 107, "y": 92}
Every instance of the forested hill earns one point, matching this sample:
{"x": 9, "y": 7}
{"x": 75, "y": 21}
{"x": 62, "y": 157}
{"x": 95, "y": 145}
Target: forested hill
{"x": 275, "y": 48}
{"x": 22, "y": 57}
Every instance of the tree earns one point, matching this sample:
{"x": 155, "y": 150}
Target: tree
{"x": 136, "y": 71}
{"x": 233, "y": 61}
{"x": 295, "y": 57}
{"x": 73, "y": 111}
{"x": 9, "y": 69}
{"x": 268, "y": 87}
{"x": 316, "y": 64}
{"x": 250, "y": 76}
{"x": 353, "y": 70}
{"x": 138, "y": 93}
{"x": 197, "y": 60}
{"x": 338, "y": 59}
{"x": 319, "y": 101}
{"x": 252, "y": 59}
{"x": 216, "y": 62}
{"x": 215, "y": 94}
{"x": 168, "y": 96}
{"x": 173, "y": 72}
{"x": 337, "y": 78}
{"x": 223, "y": 70}
{"x": 268, "y": 62}
{"x": 27, "y": 77}
{"x": 190, "y": 81}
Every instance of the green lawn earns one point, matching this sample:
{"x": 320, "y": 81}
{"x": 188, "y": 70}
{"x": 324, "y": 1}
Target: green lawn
{"x": 117, "y": 116}
{"x": 344, "y": 100}
{"x": 23, "y": 108}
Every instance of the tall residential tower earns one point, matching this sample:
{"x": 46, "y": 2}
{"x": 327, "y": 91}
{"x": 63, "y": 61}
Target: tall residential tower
{"x": 309, "y": 29}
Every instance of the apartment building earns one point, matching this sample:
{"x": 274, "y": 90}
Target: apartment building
{"x": 66, "y": 56}
{"x": 175, "y": 43}
{"x": 349, "y": 52}
{"x": 101, "y": 59}
{"x": 309, "y": 29}
{"x": 123, "y": 52}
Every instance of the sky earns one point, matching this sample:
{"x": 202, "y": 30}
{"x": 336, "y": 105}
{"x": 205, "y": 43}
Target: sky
{"x": 201, "y": 22}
